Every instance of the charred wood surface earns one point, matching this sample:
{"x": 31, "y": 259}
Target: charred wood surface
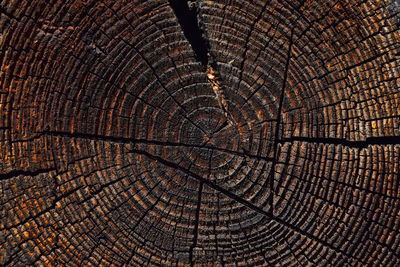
{"x": 191, "y": 133}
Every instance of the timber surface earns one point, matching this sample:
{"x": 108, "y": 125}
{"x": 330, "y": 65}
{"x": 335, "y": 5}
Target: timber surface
{"x": 200, "y": 133}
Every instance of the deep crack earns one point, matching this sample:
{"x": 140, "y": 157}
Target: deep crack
{"x": 187, "y": 18}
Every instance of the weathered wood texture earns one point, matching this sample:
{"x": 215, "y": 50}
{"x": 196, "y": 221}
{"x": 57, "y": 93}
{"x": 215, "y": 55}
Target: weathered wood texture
{"x": 218, "y": 133}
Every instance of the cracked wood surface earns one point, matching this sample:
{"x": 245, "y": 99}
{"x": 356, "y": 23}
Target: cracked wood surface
{"x": 199, "y": 133}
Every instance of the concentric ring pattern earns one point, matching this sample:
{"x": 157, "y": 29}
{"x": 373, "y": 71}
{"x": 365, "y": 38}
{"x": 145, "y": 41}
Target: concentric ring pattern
{"x": 118, "y": 146}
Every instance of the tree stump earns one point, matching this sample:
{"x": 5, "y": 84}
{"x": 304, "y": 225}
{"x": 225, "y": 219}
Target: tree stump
{"x": 191, "y": 133}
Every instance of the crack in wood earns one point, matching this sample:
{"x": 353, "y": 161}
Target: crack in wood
{"x": 127, "y": 140}
{"x": 246, "y": 46}
{"x": 16, "y": 173}
{"x": 369, "y": 141}
{"x": 196, "y": 224}
{"x": 147, "y": 62}
{"x": 188, "y": 20}
{"x": 242, "y": 201}
{"x": 215, "y": 81}
{"x": 277, "y": 129}
{"x": 334, "y": 182}
{"x": 199, "y": 178}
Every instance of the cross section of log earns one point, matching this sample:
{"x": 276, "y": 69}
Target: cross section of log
{"x": 199, "y": 133}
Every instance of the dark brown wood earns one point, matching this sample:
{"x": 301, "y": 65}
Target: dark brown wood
{"x": 199, "y": 133}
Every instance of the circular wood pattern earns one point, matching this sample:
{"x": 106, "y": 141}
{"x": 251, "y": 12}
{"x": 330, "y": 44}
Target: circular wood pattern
{"x": 199, "y": 133}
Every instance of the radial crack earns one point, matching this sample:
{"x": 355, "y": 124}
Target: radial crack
{"x": 148, "y": 63}
{"x": 380, "y": 140}
{"x": 16, "y": 173}
{"x": 246, "y": 47}
{"x": 277, "y": 129}
{"x": 196, "y": 225}
{"x": 242, "y": 201}
{"x": 215, "y": 81}
{"x": 187, "y": 18}
{"x": 201, "y": 179}
{"x": 127, "y": 140}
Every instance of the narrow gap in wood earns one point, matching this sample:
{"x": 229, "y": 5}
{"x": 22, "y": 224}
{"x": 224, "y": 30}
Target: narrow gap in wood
{"x": 127, "y": 140}
{"x": 146, "y": 60}
{"x": 140, "y": 220}
{"x": 187, "y": 18}
{"x": 246, "y": 47}
{"x": 16, "y": 173}
{"x": 196, "y": 224}
{"x": 379, "y": 140}
{"x": 206, "y": 181}
{"x": 279, "y": 115}
{"x": 244, "y": 202}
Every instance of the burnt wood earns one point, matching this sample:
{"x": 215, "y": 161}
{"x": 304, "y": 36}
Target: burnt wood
{"x": 199, "y": 133}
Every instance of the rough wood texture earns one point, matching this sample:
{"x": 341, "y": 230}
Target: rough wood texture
{"x": 217, "y": 133}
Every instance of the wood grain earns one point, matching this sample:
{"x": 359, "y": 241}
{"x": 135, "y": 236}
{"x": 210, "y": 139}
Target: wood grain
{"x": 199, "y": 133}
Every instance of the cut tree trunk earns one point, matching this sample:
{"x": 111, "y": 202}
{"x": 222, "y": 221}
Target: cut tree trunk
{"x": 190, "y": 133}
